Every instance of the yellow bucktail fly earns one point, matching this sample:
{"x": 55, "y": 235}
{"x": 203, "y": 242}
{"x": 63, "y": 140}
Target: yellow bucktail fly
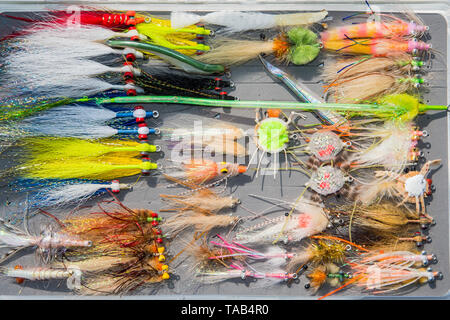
{"x": 51, "y": 149}
{"x": 181, "y": 40}
{"x": 106, "y": 168}
{"x": 71, "y": 158}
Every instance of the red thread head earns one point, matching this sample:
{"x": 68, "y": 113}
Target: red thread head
{"x": 131, "y": 92}
{"x": 128, "y": 75}
{"x": 130, "y": 57}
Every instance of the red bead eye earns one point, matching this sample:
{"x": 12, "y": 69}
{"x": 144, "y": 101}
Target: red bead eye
{"x": 128, "y": 76}
{"x": 429, "y": 188}
{"x": 131, "y": 92}
{"x": 130, "y": 57}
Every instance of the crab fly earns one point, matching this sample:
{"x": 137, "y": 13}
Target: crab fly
{"x": 324, "y": 144}
{"x": 412, "y": 187}
{"x": 272, "y": 136}
{"x": 277, "y": 133}
{"x": 48, "y": 243}
{"x": 326, "y": 179}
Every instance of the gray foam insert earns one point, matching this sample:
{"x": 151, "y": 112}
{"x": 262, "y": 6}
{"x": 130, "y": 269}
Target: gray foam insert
{"x": 253, "y": 83}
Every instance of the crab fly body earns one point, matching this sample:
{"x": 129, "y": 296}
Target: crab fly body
{"x": 413, "y": 186}
{"x": 327, "y": 180}
{"x": 272, "y": 135}
{"x": 325, "y": 145}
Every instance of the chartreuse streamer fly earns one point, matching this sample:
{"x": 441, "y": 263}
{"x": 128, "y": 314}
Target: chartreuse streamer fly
{"x": 402, "y": 107}
{"x": 71, "y": 158}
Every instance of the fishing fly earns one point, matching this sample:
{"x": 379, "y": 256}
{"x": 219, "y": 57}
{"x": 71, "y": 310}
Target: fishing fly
{"x": 60, "y": 193}
{"x": 307, "y": 219}
{"x": 301, "y": 91}
{"x": 200, "y": 199}
{"x": 206, "y": 136}
{"x": 48, "y": 244}
{"x": 204, "y": 172}
{"x": 369, "y": 226}
{"x": 127, "y": 249}
{"x": 81, "y": 75}
{"x": 71, "y": 158}
{"x": 301, "y": 46}
{"x": 21, "y": 274}
{"x": 298, "y": 46}
{"x": 411, "y": 187}
{"x": 96, "y": 123}
{"x": 391, "y": 145}
{"x": 402, "y": 107}
{"x": 279, "y": 133}
{"x": 341, "y": 69}
{"x": 372, "y": 86}
{"x": 130, "y": 24}
{"x": 235, "y": 21}
{"x": 201, "y": 207}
